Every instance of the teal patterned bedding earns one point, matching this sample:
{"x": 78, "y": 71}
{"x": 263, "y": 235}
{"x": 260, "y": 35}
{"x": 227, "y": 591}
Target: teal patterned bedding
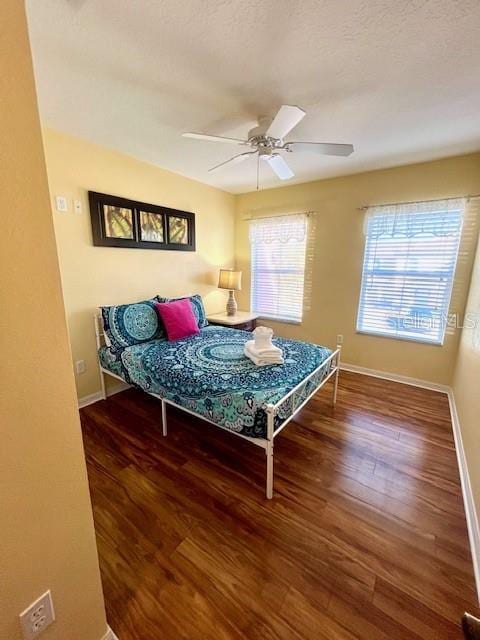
{"x": 110, "y": 359}
{"x": 209, "y": 374}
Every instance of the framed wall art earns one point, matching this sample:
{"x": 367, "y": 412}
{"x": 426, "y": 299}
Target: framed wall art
{"x": 118, "y": 222}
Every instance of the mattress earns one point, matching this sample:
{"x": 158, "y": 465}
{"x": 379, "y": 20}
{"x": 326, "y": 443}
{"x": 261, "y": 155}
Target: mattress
{"x": 209, "y": 374}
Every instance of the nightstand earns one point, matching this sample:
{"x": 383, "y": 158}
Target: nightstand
{"x": 241, "y": 320}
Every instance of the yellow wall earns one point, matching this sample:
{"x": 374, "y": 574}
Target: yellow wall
{"x": 92, "y": 276}
{"x": 466, "y": 383}
{"x": 338, "y": 256}
{"x": 47, "y": 536}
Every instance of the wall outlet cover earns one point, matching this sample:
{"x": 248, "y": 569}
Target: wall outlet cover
{"x": 61, "y": 204}
{"x": 38, "y": 616}
{"x": 80, "y": 366}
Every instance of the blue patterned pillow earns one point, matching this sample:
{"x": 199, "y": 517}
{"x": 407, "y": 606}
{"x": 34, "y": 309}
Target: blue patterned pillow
{"x": 128, "y": 324}
{"x": 197, "y": 305}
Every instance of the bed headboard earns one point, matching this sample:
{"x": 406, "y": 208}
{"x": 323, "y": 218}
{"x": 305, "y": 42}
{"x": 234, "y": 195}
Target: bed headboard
{"x": 99, "y": 333}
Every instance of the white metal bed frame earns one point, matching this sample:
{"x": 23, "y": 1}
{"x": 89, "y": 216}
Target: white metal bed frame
{"x": 332, "y": 362}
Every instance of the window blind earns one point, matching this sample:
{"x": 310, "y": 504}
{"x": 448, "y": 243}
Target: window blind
{"x": 278, "y": 248}
{"x": 409, "y": 264}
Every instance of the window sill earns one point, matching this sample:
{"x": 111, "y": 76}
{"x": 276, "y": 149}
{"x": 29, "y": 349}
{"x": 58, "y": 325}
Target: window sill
{"x": 375, "y": 334}
{"x": 282, "y": 320}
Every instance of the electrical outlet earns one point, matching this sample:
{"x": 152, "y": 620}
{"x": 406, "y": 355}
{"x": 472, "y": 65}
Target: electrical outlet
{"x": 339, "y": 339}
{"x": 37, "y": 617}
{"x": 61, "y": 204}
{"x": 80, "y": 366}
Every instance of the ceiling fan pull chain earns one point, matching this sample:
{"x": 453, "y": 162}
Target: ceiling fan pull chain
{"x": 258, "y": 168}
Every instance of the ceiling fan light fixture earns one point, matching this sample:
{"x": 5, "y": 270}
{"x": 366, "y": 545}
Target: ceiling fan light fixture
{"x": 266, "y": 153}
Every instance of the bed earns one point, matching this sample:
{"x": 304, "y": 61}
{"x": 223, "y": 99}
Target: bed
{"x": 207, "y": 375}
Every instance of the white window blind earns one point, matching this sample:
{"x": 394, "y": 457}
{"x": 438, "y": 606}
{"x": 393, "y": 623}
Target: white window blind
{"x": 278, "y": 248}
{"x": 408, "y": 269}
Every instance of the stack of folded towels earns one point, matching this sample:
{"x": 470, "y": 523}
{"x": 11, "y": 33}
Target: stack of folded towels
{"x": 261, "y": 351}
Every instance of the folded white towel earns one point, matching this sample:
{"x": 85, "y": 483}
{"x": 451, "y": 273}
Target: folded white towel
{"x": 266, "y": 351}
{"x": 259, "y": 359}
{"x": 262, "y": 361}
{"x": 263, "y": 337}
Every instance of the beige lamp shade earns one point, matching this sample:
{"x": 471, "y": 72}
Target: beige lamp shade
{"x": 231, "y": 280}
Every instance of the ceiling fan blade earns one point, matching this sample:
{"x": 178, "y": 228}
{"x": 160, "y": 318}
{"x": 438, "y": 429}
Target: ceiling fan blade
{"x": 287, "y": 117}
{"x": 206, "y": 136}
{"x": 279, "y": 166}
{"x": 323, "y": 148}
{"x": 235, "y": 160}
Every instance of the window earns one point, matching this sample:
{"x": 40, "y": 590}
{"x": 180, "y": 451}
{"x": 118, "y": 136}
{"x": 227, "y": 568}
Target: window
{"x": 278, "y": 248}
{"x": 408, "y": 269}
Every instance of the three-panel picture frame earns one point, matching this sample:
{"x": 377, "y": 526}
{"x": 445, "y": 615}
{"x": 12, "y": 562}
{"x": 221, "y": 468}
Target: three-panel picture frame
{"x": 118, "y": 222}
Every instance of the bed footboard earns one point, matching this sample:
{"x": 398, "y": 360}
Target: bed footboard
{"x": 292, "y": 402}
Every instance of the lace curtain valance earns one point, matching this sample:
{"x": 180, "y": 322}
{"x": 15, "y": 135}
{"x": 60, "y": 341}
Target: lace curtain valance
{"x": 436, "y": 218}
{"x": 279, "y": 229}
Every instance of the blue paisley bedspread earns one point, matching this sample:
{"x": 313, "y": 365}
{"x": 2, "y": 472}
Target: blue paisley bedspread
{"x": 111, "y": 360}
{"x": 210, "y": 375}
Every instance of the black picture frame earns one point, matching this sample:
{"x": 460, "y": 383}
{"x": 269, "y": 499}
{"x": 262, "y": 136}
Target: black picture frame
{"x": 101, "y": 237}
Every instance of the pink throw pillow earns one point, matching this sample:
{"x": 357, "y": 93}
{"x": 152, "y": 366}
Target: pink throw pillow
{"x": 178, "y": 318}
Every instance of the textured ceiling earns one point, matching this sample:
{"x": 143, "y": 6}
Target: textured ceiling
{"x": 400, "y": 79}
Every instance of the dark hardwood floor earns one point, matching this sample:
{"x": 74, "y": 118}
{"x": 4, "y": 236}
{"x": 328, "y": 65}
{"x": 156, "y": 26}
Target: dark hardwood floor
{"x": 365, "y": 537}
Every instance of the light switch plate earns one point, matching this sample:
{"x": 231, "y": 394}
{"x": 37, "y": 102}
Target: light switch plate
{"x": 61, "y": 204}
{"x": 77, "y": 206}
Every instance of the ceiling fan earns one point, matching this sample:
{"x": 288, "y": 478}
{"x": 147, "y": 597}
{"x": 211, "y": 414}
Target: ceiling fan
{"x": 267, "y": 142}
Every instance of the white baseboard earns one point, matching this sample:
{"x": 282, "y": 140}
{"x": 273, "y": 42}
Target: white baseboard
{"x": 95, "y": 397}
{"x": 394, "y": 377}
{"x": 468, "y": 501}
{"x": 109, "y": 635}
{"x": 86, "y": 400}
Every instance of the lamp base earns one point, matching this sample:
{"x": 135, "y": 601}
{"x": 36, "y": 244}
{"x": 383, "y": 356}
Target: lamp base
{"x": 231, "y": 304}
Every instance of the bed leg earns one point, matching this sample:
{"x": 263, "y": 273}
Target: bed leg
{"x": 102, "y": 383}
{"x": 269, "y": 453}
{"x": 337, "y": 372}
{"x": 164, "y": 417}
{"x": 335, "y": 387}
{"x": 269, "y": 449}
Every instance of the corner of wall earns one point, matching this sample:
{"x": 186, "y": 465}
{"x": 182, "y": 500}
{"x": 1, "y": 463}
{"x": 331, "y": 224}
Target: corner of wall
{"x": 467, "y": 492}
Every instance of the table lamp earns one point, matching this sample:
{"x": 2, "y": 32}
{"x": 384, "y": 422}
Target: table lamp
{"x": 230, "y": 280}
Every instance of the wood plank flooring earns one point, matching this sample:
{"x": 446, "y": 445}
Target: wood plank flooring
{"x": 365, "y": 537}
